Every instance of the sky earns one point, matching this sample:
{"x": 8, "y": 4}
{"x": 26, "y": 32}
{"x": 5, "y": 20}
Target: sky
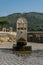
{"x": 20, "y": 6}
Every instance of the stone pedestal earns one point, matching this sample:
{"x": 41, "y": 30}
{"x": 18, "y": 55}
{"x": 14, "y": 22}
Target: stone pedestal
{"x": 22, "y": 48}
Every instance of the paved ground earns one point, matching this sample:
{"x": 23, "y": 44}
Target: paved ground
{"x": 6, "y": 44}
{"x": 35, "y": 46}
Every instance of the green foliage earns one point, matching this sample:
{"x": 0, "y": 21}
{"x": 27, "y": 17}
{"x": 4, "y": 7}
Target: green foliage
{"x": 3, "y": 22}
{"x": 35, "y": 20}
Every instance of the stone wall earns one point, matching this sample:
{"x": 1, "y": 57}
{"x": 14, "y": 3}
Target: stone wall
{"x": 31, "y": 37}
{"x": 7, "y": 36}
{"x": 35, "y": 37}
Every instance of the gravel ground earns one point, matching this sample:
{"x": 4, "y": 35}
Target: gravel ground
{"x": 7, "y": 58}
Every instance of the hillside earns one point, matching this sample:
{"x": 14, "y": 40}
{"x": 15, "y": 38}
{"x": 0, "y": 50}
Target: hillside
{"x": 35, "y": 20}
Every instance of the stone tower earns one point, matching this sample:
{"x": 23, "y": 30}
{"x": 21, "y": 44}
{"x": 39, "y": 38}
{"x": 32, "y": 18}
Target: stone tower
{"x": 21, "y": 39}
{"x": 21, "y": 31}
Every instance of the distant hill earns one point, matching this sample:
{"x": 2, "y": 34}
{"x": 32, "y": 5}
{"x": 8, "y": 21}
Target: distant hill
{"x": 35, "y": 20}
